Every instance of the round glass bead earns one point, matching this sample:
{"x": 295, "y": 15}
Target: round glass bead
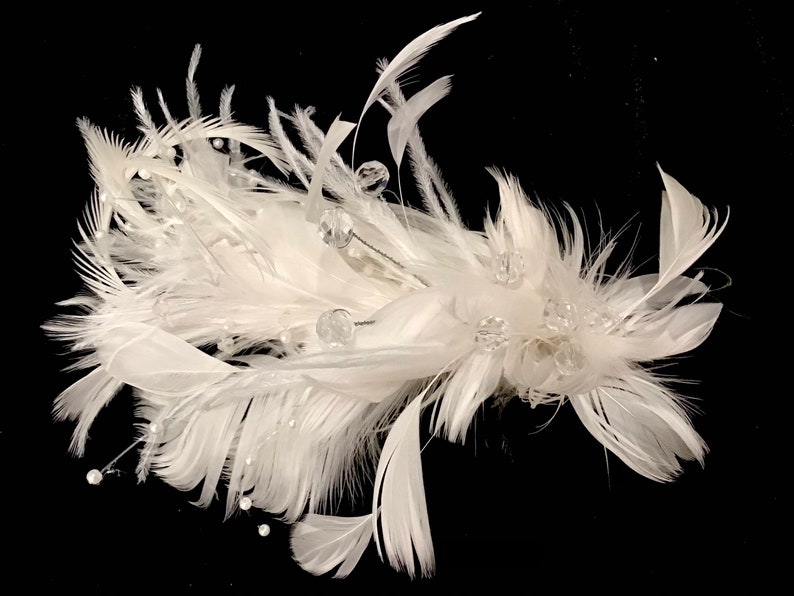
{"x": 569, "y": 357}
{"x": 492, "y": 333}
{"x": 372, "y": 177}
{"x": 508, "y": 267}
{"x": 264, "y": 530}
{"x": 560, "y": 315}
{"x": 226, "y": 345}
{"x": 598, "y": 319}
{"x": 245, "y": 503}
{"x": 336, "y": 227}
{"x": 335, "y": 328}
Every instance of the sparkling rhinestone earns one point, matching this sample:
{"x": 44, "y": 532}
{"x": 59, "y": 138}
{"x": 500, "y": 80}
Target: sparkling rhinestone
{"x": 560, "y": 315}
{"x": 336, "y": 227}
{"x": 492, "y": 333}
{"x": 569, "y": 357}
{"x": 335, "y": 328}
{"x": 508, "y": 267}
{"x": 94, "y": 477}
{"x": 372, "y": 177}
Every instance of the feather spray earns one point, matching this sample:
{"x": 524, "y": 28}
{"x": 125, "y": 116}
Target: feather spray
{"x": 284, "y": 334}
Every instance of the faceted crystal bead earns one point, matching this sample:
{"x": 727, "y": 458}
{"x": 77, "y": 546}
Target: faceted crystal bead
{"x": 508, "y": 267}
{"x": 226, "y": 345}
{"x": 372, "y": 177}
{"x": 492, "y": 333}
{"x": 569, "y": 357}
{"x": 336, "y": 227}
{"x": 335, "y": 328}
{"x": 560, "y": 315}
{"x": 598, "y": 319}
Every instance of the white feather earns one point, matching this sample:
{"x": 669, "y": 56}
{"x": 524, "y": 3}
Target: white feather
{"x": 322, "y": 542}
{"x": 405, "y": 118}
{"x": 400, "y": 497}
{"x": 406, "y": 59}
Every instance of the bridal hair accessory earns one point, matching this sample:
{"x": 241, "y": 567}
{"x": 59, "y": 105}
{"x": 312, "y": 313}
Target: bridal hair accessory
{"x": 289, "y": 335}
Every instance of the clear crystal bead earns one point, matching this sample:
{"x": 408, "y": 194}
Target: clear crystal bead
{"x": 569, "y": 357}
{"x": 226, "y": 345}
{"x": 372, "y": 177}
{"x": 598, "y": 319}
{"x": 335, "y": 328}
{"x": 560, "y": 315}
{"x": 492, "y": 333}
{"x": 336, "y": 227}
{"x": 508, "y": 267}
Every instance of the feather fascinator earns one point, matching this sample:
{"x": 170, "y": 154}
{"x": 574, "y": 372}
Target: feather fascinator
{"x": 289, "y": 331}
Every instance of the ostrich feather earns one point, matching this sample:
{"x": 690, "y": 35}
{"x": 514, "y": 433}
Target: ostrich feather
{"x": 283, "y": 330}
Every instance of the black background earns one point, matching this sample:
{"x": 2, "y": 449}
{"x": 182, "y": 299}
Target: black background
{"x": 580, "y": 102}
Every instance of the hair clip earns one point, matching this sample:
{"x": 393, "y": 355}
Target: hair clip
{"x": 288, "y": 330}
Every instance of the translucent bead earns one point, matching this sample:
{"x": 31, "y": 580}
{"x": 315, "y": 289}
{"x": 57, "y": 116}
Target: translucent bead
{"x": 492, "y": 333}
{"x": 264, "y": 530}
{"x": 94, "y": 477}
{"x": 598, "y": 319}
{"x": 508, "y": 267}
{"x": 245, "y": 503}
{"x": 336, "y": 227}
{"x": 160, "y": 307}
{"x": 560, "y": 315}
{"x": 335, "y": 328}
{"x": 226, "y": 345}
{"x": 144, "y": 174}
{"x": 170, "y": 153}
{"x": 569, "y": 357}
{"x": 372, "y": 177}
{"x": 217, "y": 143}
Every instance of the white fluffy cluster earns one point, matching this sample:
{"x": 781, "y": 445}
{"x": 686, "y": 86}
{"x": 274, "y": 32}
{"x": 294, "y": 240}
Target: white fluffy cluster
{"x": 283, "y": 335}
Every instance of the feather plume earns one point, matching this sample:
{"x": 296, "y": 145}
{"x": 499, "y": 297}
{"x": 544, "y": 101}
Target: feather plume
{"x": 283, "y": 333}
